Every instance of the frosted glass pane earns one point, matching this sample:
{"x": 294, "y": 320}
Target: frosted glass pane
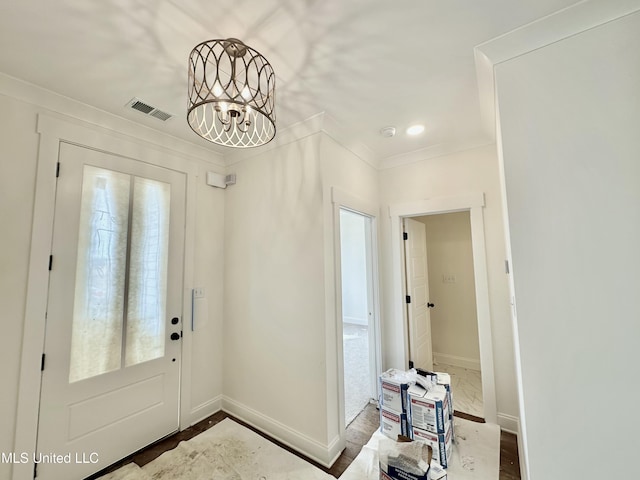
{"x": 146, "y": 312}
{"x": 98, "y": 310}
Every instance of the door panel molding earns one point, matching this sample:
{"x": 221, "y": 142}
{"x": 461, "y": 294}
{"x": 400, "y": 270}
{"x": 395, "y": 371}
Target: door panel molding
{"x": 52, "y": 131}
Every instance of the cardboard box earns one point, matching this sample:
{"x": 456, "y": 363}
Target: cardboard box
{"x": 436, "y": 471}
{"x": 393, "y": 390}
{"x": 440, "y": 443}
{"x": 429, "y": 409}
{"x": 393, "y": 423}
{"x": 404, "y": 460}
{"x": 444, "y": 379}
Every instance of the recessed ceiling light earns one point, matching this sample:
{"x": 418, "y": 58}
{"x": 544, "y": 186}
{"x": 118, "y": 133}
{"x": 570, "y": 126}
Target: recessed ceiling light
{"x": 415, "y": 129}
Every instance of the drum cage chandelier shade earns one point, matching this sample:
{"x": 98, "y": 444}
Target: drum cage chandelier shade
{"x": 231, "y": 94}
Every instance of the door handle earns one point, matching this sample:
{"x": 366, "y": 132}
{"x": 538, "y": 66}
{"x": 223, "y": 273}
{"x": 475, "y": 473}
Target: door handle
{"x": 430, "y": 305}
{"x": 175, "y": 336}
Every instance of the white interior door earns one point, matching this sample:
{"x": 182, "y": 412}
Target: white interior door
{"x": 418, "y": 314}
{"x": 110, "y": 383}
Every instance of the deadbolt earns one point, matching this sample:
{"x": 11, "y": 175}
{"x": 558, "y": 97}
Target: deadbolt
{"x": 175, "y": 320}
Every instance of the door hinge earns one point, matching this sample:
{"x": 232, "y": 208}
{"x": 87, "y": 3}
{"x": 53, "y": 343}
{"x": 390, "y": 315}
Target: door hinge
{"x": 506, "y": 267}
{"x": 407, "y": 299}
{"x": 57, "y": 169}
{"x": 405, "y": 236}
{"x": 42, "y": 363}
{"x": 50, "y": 262}
{"x": 410, "y": 364}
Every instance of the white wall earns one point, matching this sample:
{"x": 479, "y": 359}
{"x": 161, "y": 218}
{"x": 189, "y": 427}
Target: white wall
{"x": 19, "y": 107}
{"x": 280, "y": 347}
{"x": 471, "y": 171}
{"x": 570, "y": 116}
{"x": 207, "y": 341}
{"x": 274, "y": 353}
{"x": 454, "y": 321}
{"x": 18, "y": 144}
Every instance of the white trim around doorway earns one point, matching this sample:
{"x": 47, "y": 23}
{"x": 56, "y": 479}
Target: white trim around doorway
{"x": 474, "y": 204}
{"x": 52, "y": 131}
{"x": 342, "y": 199}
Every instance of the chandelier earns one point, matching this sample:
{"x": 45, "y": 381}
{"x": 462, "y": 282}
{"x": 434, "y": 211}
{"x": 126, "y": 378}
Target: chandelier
{"x": 231, "y": 94}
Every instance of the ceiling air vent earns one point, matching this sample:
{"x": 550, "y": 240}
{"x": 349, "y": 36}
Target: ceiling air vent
{"x": 139, "y": 105}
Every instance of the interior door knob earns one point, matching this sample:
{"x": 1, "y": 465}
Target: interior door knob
{"x": 175, "y": 336}
{"x": 430, "y": 305}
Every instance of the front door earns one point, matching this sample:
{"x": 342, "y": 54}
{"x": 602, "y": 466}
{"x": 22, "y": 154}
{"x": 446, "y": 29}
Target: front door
{"x": 110, "y": 383}
{"x": 418, "y": 314}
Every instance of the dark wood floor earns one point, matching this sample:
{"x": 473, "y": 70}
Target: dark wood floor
{"x": 358, "y": 434}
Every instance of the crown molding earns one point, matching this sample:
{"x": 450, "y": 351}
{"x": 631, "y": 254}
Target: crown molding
{"x": 547, "y": 30}
{"x": 342, "y": 135}
{"x": 72, "y": 110}
{"x": 320, "y": 122}
{"x": 432, "y": 151}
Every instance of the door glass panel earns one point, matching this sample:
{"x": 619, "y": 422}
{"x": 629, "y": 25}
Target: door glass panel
{"x": 96, "y": 336}
{"x": 146, "y": 309}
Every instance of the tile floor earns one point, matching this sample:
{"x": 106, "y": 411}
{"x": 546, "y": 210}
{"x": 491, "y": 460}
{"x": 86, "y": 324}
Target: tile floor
{"x": 466, "y": 386}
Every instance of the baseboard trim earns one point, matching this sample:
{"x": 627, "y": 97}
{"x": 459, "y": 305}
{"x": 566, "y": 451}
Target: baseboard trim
{"x": 456, "y": 361}
{"x": 324, "y": 455}
{"x": 205, "y": 410}
{"x": 509, "y": 423}
{"x": 355, "y": 321}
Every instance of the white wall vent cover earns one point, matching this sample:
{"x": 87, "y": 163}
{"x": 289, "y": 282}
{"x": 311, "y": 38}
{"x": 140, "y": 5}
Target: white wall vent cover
{"x": 139, "y": 105}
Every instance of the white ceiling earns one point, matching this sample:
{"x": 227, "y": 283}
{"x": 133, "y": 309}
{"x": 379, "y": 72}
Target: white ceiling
{"x": 365, "y": 63}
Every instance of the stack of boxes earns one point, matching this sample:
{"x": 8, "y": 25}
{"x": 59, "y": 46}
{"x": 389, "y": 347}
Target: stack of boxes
{"x": 394, "y": 403}
{"x": 418, "y": 407}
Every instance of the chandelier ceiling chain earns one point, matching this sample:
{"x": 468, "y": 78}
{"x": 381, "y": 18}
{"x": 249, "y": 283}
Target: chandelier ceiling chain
{"x": 231, "y": 94}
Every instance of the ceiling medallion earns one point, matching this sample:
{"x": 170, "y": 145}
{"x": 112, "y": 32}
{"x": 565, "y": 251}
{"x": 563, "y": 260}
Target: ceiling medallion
{"x": 231, "y": 94}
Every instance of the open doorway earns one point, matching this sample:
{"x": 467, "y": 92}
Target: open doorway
{"x": 442, "y": 313}
{"x": 473, "y": 203}
{"x": 358, "y": 319}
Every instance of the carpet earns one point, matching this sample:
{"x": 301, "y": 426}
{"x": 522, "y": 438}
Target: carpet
{"x": 476, "y": 454}
{"x": 227, "y": 451}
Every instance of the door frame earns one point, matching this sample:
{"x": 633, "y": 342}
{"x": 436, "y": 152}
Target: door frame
{"x": 343, "y": 200}
{"x": 53, "y": 131}
{"x": 474, "y": 204}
